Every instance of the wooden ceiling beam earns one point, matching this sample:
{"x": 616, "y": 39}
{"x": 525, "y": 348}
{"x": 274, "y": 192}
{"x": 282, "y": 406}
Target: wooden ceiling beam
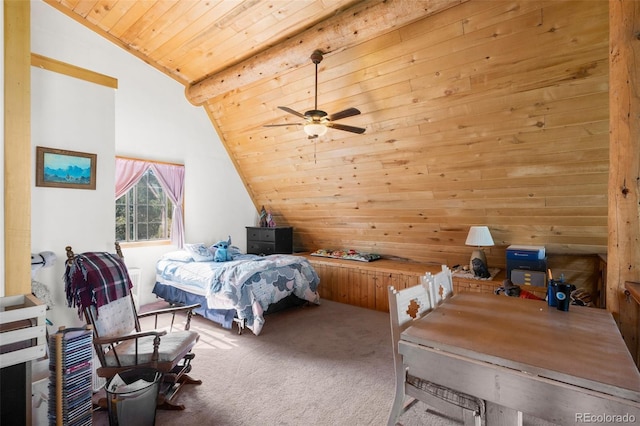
{"x": 361, "y": 22}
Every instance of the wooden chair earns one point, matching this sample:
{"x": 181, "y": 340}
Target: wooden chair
{"x": 121, "y": 344}
{"x": 406, "y": 306}
{"x": 439, "y": 285}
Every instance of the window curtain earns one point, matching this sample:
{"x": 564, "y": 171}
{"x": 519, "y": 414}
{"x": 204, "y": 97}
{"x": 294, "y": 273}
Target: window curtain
{"x": 171, "y": 178}
{"x": 128, "y": 173}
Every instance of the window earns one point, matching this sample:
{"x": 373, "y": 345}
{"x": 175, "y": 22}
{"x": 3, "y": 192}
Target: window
{"x": 149, "y": 201}
{"x": 144, "y": 212}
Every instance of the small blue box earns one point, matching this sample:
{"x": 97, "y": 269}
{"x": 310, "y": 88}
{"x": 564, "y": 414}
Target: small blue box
{"x": 525, "y": 252}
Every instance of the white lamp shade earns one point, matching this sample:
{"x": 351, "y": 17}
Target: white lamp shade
{"x": 313, "y": 129}
{"x": 479, "y": 236}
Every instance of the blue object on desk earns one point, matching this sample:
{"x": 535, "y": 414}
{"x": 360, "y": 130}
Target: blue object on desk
{"x": 515, "y": 252}
{"x": 552, "y": 288}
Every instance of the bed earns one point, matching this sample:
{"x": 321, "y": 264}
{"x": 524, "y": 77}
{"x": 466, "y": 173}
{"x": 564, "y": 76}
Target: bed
{"x": 237, "y": 291}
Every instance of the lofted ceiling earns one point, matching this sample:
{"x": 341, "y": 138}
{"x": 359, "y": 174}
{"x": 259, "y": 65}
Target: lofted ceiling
{"x": 476, "y": 113}
{"x": 194, "y": 39}
{"x": 220, "y": 44}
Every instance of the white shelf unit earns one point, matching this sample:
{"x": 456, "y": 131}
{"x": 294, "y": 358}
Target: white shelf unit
{"x": 28, "y": 337}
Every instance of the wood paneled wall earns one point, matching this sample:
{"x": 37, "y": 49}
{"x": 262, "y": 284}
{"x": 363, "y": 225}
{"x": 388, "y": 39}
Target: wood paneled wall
{"x": 624, "y": 194}
{"x": 489, "y": 113}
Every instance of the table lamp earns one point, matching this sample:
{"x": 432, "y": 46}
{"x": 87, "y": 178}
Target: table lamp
{"x": 479, "y": 236}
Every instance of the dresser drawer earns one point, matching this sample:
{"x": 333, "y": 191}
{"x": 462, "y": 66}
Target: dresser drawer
{"x": 268, "y": 234}
{"x": 253, "y": 234}
{"x": 261, "y": 234}
{"x": 261, "y": 247}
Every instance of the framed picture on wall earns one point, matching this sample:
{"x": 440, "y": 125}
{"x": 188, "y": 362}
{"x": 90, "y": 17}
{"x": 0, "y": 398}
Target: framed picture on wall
{"x": 60, "y": 168}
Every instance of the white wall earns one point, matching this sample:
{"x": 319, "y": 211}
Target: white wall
{"x": 152, "y": 120}
{"x": 71, "y": 114}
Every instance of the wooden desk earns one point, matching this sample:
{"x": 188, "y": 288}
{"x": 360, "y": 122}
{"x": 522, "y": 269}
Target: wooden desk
{"x": 521, "y": 355}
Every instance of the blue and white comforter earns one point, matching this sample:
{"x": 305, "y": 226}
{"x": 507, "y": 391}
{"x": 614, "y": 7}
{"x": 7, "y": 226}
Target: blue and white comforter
{"x": 248, "y": 284}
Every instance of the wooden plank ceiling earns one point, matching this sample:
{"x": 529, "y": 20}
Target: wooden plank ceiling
{"x": 476, "y": 113}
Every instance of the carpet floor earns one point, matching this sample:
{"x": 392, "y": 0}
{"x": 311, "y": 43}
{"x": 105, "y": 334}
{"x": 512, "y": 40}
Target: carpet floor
{"x": 312, "y": 365}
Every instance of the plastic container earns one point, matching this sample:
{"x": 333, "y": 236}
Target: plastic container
{"x": 563, "y": 296}
{"x": 132, "y": 396}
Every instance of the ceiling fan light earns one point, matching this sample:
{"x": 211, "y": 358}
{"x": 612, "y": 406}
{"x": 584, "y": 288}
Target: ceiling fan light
{"x": 315, "y": 129}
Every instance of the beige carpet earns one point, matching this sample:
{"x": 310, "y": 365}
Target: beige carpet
{"x": 315, "y": 365}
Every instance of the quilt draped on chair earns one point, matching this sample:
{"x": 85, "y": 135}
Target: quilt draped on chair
{"x": 95, "y": 278}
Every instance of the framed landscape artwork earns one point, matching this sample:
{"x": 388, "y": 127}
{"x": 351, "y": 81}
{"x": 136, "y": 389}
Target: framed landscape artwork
{"x": 65, "y": 169}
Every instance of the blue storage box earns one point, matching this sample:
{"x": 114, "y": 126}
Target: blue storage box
{"x": 525, "y": 258}
{"x": 515, "y": 252}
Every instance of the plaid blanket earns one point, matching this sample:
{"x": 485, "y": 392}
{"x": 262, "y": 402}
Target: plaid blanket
{"x": 95, "y": 278}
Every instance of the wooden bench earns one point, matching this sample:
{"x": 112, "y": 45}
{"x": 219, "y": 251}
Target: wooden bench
{"x": 365, "y": 284}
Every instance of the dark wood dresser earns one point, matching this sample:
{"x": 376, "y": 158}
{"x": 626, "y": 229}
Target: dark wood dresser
{"x": 265, "y": 241}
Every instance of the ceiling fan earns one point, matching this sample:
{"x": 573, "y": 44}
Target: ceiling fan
{"x": 316, "y": 122}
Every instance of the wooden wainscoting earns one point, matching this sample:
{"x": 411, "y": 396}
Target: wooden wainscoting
{"x": 365, "y": 284}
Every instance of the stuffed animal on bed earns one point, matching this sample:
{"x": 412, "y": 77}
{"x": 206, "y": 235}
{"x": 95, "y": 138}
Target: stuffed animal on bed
{"x": 222, "y": 251}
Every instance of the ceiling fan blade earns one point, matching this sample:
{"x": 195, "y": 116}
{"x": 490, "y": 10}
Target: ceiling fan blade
{"x": 290, "y": 111}
{"x": 346, "y": 128}
{"x": 282, "y": 125}
{"x": 349, "y": 112}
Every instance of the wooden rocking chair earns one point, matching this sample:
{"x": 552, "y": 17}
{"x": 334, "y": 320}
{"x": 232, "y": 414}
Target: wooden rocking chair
{"x": 118, "y": 339}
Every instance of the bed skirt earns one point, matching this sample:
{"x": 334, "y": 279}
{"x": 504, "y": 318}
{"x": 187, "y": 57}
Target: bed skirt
{"x": 224, "y": 317}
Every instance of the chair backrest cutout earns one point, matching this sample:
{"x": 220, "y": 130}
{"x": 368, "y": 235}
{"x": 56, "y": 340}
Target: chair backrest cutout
{"x": 407, "y": 305}
{"x": 440, "y": 285}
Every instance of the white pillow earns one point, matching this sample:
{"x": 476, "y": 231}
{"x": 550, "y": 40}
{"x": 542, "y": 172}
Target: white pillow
{"x": 199, "y": 252}
{"x": 178, "y": 255}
